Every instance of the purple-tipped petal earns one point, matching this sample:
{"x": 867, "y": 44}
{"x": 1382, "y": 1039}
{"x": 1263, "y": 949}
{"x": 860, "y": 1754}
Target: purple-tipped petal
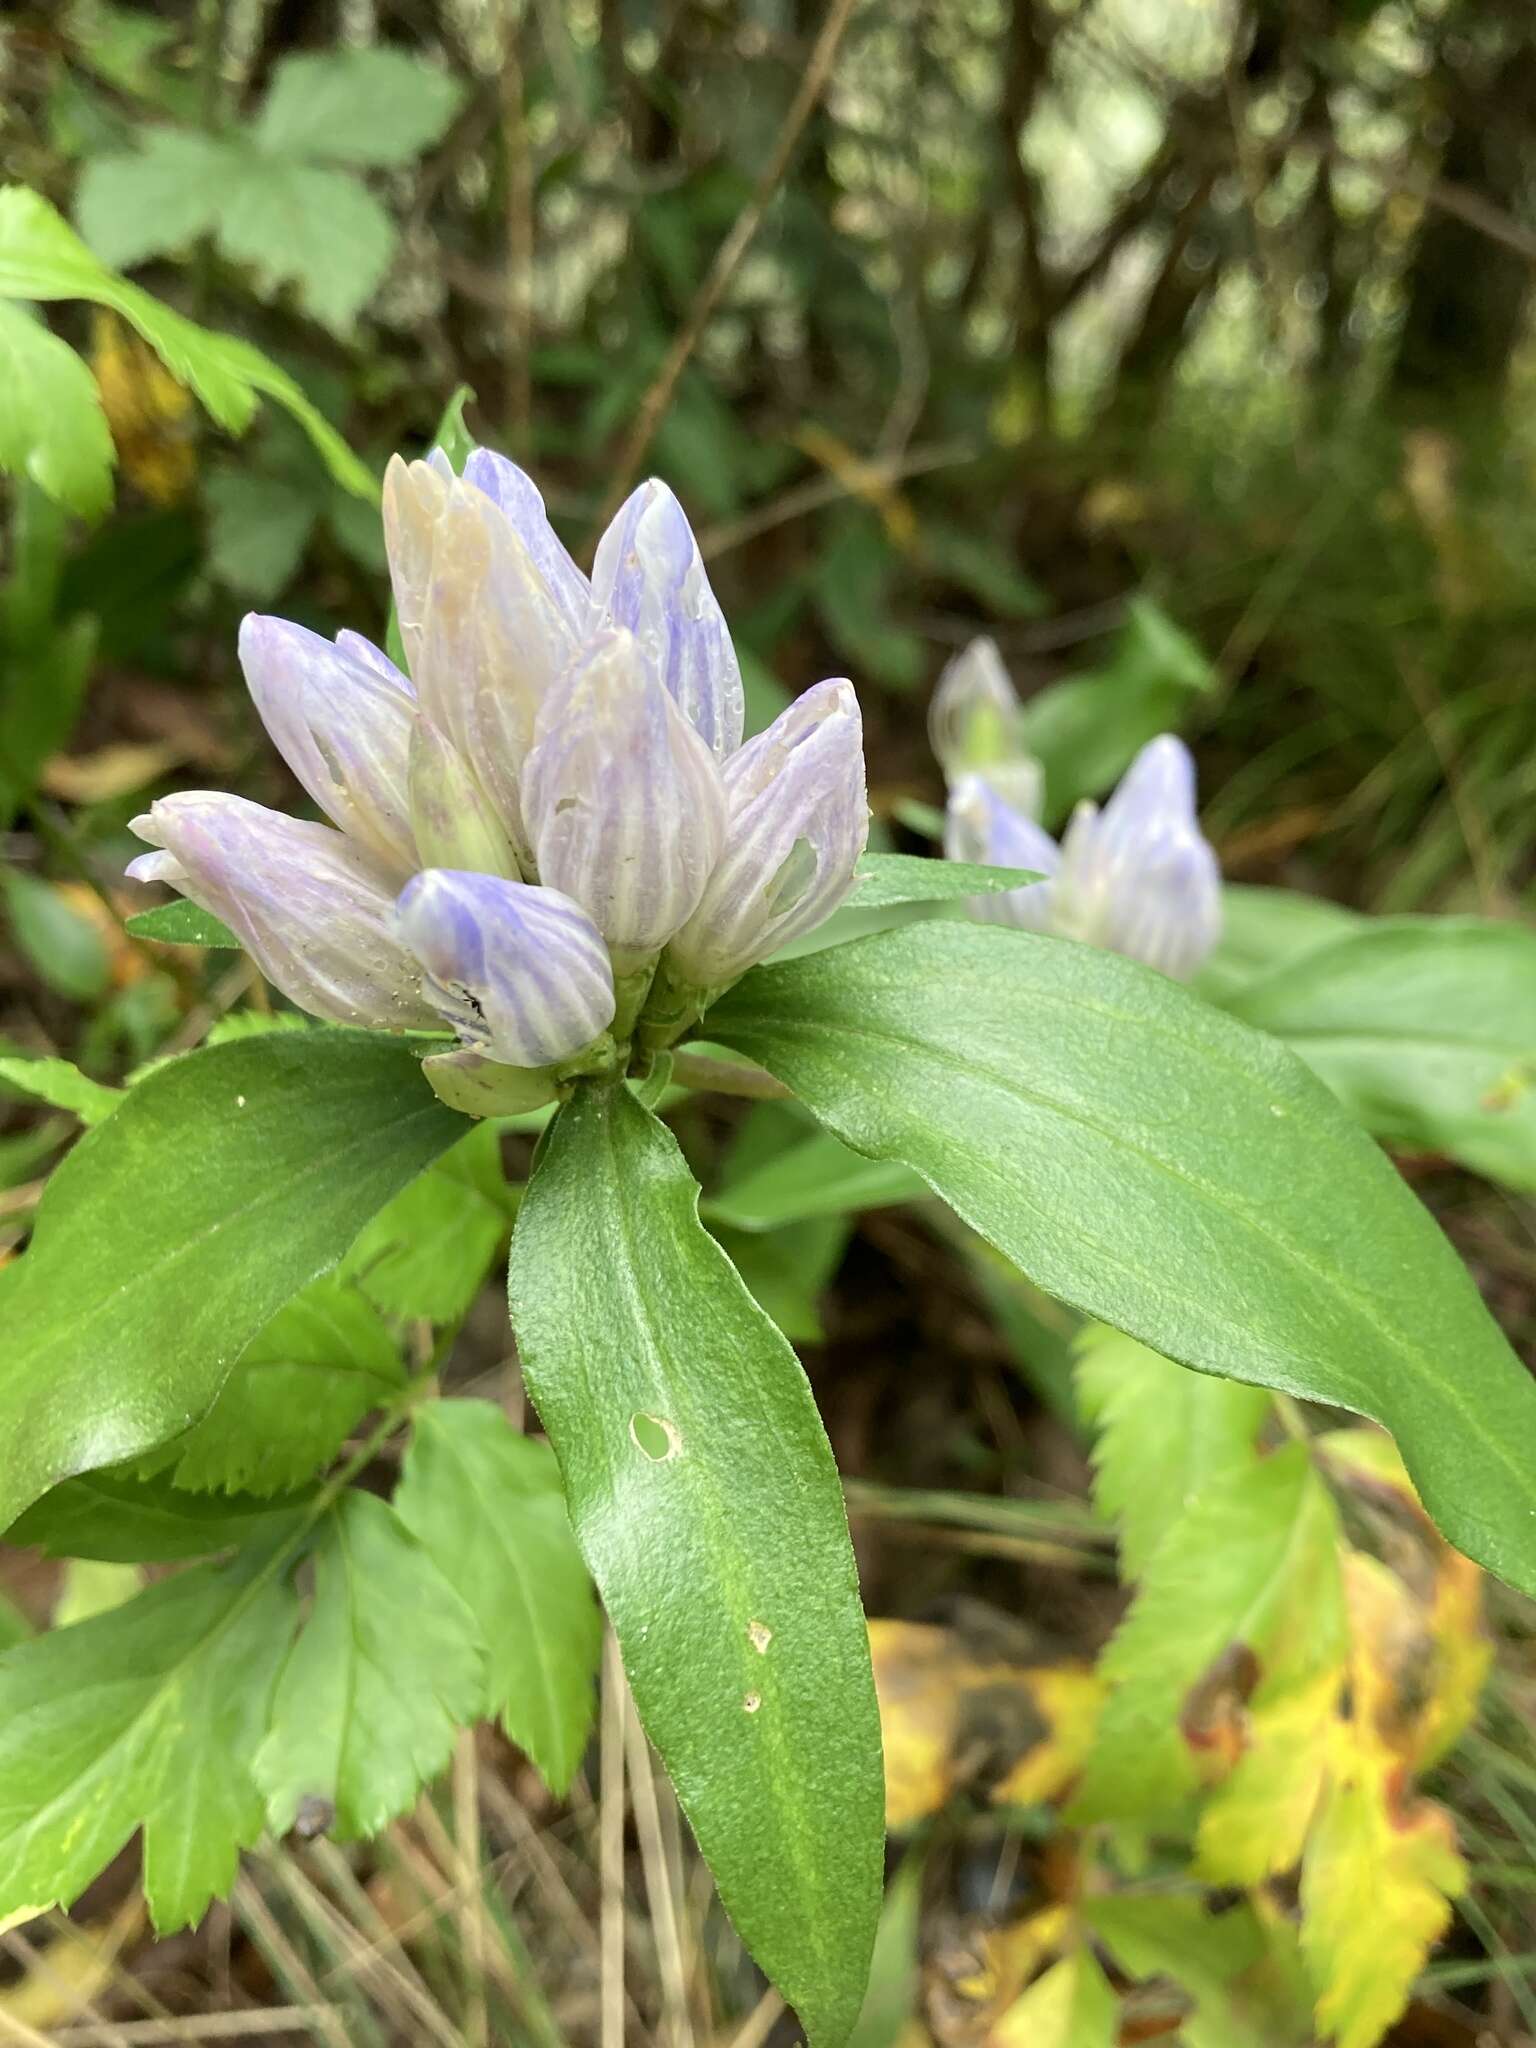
{"x": 453, "y": 821}
{"x": 649, "y": 578}
{"x": 342, "y": 725}
{"x": 315, "y": 912}
{"x": 980, "y": 826}
{"x": 798, "y": 823}
{"x": 516, "y": 496}
{"x": 1138, "y": 876}
{"x": 520, "y": 973}
{"x": 622, "y": 799}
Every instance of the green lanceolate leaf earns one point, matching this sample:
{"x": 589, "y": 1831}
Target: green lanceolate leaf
{"x": 146, "y": 1716}
{"x": 61, "y": 1084}
{"x": 1426, "y": 1028}
{"x": 813, "y": 1177}
{"x": 887, "y": 879}
{"x": 487, "y": 1506}
{"x": 428, "y": 1253}
{"x": 1168, "y": 1171}
{"x": 388, "y": 1663}
{"x": 706, "y": 1503}
{"x": 1163, "y": 1433}
{"x": 183, "y": 924}
{"x": 1262, "y": 929}
{"x": 177, "y": 1228}
{"x": 129, "y": 1520}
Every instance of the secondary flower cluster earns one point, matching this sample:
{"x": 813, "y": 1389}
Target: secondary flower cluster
{"x": 552, "y": 820}
{"x": 1137, "y": 877}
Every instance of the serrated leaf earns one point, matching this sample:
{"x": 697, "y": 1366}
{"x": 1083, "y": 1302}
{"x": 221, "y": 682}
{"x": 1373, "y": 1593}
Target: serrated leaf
{"x": 288, "y": 1406}
{"x": 367, "y": 107}
{"x": 175, "y": 1230}
{"x": 319, "y": 230}
{"x": 157, "y": 199}
{"x": 1426, "y": 1028}
{"x": 123, "y": 1519}
{"x": 486, "y": 1504}
{"x": 1162, "y": 1433}
{"x": 706, "y": 1503}
{"x": 1243, "y": 1592}
{"x": 183, "y": 924}
{"x": 61, "y": 1084}
{"x": 145, "y": 1717}
{"x": 52, "y": 427}
{"x": 428, "y": 1252}
{"x": 387, "y": 1665}
{"x": 1066, "y": 1103}
{"x": 41, "y": 257}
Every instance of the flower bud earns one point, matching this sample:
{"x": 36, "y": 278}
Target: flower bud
{"x": 314, "y": 911}
{"x": 622, "y": 800}
{"x": 976, "y": 726}
{"x": 980, "y": 826}
{"x": 452, "y": 819}
{"x": 798, "y": 822}
{"x": 343, "y": 725}
{"x": 648, "y": 576}
{"x": 520, "y": 973}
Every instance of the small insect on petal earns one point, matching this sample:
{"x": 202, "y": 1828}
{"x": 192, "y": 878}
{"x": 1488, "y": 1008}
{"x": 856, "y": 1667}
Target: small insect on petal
{"x": 314, "y": 911}
{"x": 648, "y": 577}
{"x": 520, "y": 973}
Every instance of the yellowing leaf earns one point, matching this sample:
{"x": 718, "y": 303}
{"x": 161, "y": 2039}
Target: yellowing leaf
{"x": 1256, "y": 1821}
{"x": 953, "y": 1719}
{"x": 149, "y": 411}
{"x": 1071, "y": 2006}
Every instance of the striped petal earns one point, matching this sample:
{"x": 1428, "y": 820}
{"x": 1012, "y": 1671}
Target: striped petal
{"x": 314, "y": 911}
{"x": 798, "y": 823}
{"x": 648, "y": 577}
{"x": 520, "y": 973}
{"x": 515, "y": 495}
{"x": 453, "y": 820}
{"x": 980, "y": 826}
{"x": 622, "y": 799}
{"x": 342, "y": 724}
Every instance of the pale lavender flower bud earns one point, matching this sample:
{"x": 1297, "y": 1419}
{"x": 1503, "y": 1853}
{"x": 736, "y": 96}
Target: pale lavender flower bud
{"x": 980, "y": 826}
{"x": 357, "y": 648}
{"x": 495, "y": 636}
{"x": 798, "y": 823}
{"x": 453, "y": 821}
{"x": 415, "y": 494}
{"x": 521, "y": 973}
{"x": 342, "y": 725}
{"x": 976, "y": 726}
{"x": 314, "y": 911}
{"x": 517, "y": 497}
{"x": 622, "y": 799}
{"x": 648, "y": 576}
{"x": 1138, "y": 876}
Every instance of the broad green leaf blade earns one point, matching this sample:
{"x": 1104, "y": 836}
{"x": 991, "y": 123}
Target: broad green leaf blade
{"x": 61, "y": 1085}
{"x": 286, "y": 1409}
{"x": 815, "y": 1177}
{"x": 174, "y": 1231}
{"x": 374, "y": 106}
{"x": 1242, "y": 1594}
{"x": 183, "y": 924}
{"x": 52, "y": 427}
{"x": 387, "y": 1665}
{"x": 428, "y": 1253}
{"x": 127, "y": 1520}
{"x": 157, "y": 199}
{"x": 789, "y": 1269}
{"x": 41, "y": 257}
{"x": 1168, "y": 1171}
{"x": 706, "y": 1503}
{"x": 1163, "y": 1433}
{"x": 487, "y": 1506}
{"x": 1262, "y": 929}
{"x": 1425, "y": 1028}
{"x": 146, "y": 1716}
{"x": 887, "y": 879}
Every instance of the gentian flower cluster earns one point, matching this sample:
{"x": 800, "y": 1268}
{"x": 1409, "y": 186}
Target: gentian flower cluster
{"x": 1137, "y": 877}
{"x": 548, "y": 836}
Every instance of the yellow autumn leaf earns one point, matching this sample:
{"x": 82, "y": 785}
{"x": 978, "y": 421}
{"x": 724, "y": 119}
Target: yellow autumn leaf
{"x": 149, "y": 412}
{"x": 1255, "y": 1823}
{"x": 1071, "y": 2006}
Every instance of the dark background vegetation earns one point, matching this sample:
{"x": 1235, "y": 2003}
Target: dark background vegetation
{"x": 1180, "y": 345}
